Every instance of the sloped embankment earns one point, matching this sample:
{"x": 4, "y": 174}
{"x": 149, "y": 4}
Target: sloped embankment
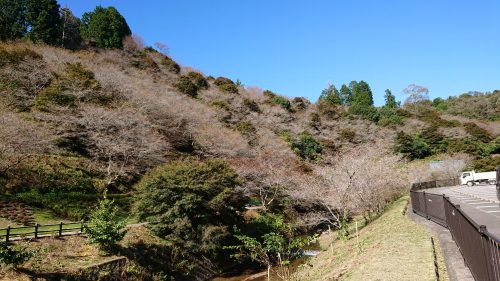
{"x": 391, "y": 248}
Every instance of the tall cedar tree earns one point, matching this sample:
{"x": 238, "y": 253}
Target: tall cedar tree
{"x": 345, "y": 95}
{"x": 44, "y": 21}
{"x": 12, "y": 19}
{"x": 363, "y": 95}
{"x": 390, "y": 99}
{"x": 105, "y": 27}
{"x": 330, "y": 95}
{"x": 71, "y": 37}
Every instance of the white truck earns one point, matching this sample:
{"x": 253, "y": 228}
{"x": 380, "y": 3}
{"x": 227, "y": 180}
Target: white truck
{"x": 471, "y": 178}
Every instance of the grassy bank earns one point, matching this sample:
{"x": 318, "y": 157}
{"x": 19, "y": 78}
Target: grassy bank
{"x": 390, "y": 248}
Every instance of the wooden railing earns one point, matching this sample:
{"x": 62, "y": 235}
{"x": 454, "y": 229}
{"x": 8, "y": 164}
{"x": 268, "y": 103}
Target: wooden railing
{"x": 40, "y": 230}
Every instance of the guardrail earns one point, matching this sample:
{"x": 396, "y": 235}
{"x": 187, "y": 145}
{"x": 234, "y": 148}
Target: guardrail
{"x": 40, "y": 230}
{"x": 480, "y": 248}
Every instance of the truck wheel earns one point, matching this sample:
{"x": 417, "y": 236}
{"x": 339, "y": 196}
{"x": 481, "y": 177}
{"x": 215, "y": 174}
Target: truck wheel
{"x": 470, "y": 183}
{"x": 492, "y": 182}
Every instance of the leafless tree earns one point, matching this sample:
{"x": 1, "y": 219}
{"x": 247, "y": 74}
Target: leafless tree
{"x": 122, "y": 139}
{"x": 416, "y": 93}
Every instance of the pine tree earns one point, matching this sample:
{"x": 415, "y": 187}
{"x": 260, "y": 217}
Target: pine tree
{"x": 105, "y": 27}
{"x": 44, "y": 21}
{"x": 12, "y": 19}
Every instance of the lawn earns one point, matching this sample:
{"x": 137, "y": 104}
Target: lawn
{"x": 390, "y": 248}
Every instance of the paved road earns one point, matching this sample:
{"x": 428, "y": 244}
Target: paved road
{"x": 480, "y": 202}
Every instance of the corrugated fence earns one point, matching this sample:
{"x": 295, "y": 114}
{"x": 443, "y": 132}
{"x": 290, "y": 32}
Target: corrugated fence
{"x": 480, "y": 249}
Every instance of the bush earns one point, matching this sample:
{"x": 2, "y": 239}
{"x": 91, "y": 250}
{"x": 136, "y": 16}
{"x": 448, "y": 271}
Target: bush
{"x": 55, "y": 174}
{"x": 245, "y": 128}
{"x": 192, "y": 204}
{"x": 16, "y": 56}
{"x": 305, "y": 146}
{"x": 220, "y": 104}
{"x": 105, "y": 227}
{"x": 186, "y": 86}
{"x": 251, "y": 105}
{"x": 413, "y": 147}
{"x": 14, "y": 254}
{"x": 327, "y": 109}
{"x": 226, "y": 85}
{"x": 347, "y": 135}
{"x": 190, "y": 83}
{"x": 171, "y": 65}
{"x": 389, "y": 116}
{"x": 367, "y": 112}
{"x": 477, "y": 132}
{"x": 198, "y": 79}
{"x": 486, "y": 164}
{"x": 273, "y": 98}
{"x": 143, "y": 61}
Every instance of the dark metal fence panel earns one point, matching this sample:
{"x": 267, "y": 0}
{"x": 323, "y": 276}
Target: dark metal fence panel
{"x": 435, "y": 208}
{"x": 492, "y": 251}
{"x": 480, "y": 249}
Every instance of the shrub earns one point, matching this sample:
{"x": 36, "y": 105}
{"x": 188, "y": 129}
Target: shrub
{"x": 305, "y": 146}
{"x": 105, "y": 227}
{"x": 367, "y": 112}
{"x": 327, "y": 109}
{"x": 226, "y": 85}
{"x": 192, "y": 204}
{"x": 15, "y": 56}
{"x": 477, "y": 132}
{"x": 283, "y": 102}
{"x": 229, "y": 88}
{"x": 251, "y": 105}
{"x": 14, "y": 255}
{"x": 186, "y": 86}
{"x": 245, "y": 128}
{"x": 413, "y": 147}
{"x": 220, "y": 104}
{"x": 434, "y": 139}
{"x": 53, "y": 95}
{"x": 198, "y": 79}
{"x": 347, "y": 135}
{"x": 190, "y": 83}
{"x": 389, "y": 116}
{"x": 55, "y": 174}
{"x": 486, "y": 164}
{"x": 171, "y": 65}
{"x": 142, "y": 60}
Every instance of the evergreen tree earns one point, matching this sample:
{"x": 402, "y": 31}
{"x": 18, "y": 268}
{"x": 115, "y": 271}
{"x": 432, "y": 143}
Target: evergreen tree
{"x": 105, "y": 27}
{"x": 44, "y": 21}
{"x": 363, "y": 95}
{"x": 390, "y": 100}
{"x": 330, "y": 95}
{"x": 71, "y": 38}
{"x": 345, "y": 95}
{"x": 12, "y": 19}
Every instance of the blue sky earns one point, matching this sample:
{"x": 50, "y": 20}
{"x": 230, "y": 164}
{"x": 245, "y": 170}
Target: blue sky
{"x": 296, "y": 47}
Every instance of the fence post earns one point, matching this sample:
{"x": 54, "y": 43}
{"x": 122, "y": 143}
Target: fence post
{"x": 60, "y": 229}
{"x": 81, "y": 227}
{"x": 8, "y": 233}
{"x": 498, "y": 178}
{"x": 36, "y": 230}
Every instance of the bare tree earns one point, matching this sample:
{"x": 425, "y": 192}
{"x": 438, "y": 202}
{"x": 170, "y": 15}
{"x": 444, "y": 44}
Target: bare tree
{"x": 122, "y": 139}
{"x": 416, "y": 93}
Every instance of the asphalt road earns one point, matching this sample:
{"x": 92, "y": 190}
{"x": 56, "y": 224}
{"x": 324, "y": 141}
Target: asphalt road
{"x": 480, "y": 202}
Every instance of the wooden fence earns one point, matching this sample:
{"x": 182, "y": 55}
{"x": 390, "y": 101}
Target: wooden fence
{"x": 40, "y": 230}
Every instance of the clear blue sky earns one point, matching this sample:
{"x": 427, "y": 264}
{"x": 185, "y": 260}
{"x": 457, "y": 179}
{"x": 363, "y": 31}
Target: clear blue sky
{"x": 296, "y": 47}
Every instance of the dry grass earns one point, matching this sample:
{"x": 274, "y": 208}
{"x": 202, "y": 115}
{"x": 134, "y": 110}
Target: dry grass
{"x": 391, "y": 248}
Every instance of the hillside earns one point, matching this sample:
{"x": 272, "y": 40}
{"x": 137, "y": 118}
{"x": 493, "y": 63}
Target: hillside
{"x": 76, "y": 123}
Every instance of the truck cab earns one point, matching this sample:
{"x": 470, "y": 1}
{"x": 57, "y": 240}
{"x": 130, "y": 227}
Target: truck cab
{"x": 466, "y": 177}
